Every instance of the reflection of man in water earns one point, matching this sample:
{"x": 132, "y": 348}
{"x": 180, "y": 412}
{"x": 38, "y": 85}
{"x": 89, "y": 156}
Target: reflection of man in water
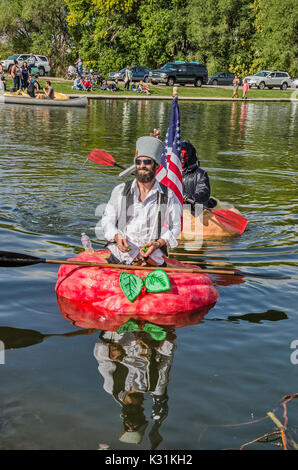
{"x": 131, "y": 364}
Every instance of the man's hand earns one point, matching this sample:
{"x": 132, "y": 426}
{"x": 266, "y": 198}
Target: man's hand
{"x": 147, "y": 249}
{"x": 122, "y": 243}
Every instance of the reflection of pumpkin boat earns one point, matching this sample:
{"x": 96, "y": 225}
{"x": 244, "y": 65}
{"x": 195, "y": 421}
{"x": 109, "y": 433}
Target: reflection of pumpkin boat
{"x": 100, "y": 290}
{"x": 82, "y": 316}
{"x": 207, "y": 226}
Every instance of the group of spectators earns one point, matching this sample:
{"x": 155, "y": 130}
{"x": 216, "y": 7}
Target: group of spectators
{"x": 87, "y": 83}
{"x": 129, "y": 85}
{"x": 34, "y": 89}
{"x": 110, "y": 86}
{"x": 141, "y": 88}
{"x": 25, "y": 80}
{"x": 90, "y": 82}
{"x": 83, "y": 80}
{"x": 21, "y": 74}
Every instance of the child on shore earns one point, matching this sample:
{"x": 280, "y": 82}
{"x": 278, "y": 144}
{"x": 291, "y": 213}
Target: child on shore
{"x": 142, "y": 88}
{"x": 87, "y": 84}
{"x": 245, "y": 88}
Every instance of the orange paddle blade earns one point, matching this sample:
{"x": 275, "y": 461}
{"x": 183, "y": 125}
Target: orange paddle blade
{"x": 230, "y": 220}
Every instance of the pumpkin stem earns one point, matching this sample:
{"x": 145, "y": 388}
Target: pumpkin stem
{"x": 143, "y": 290}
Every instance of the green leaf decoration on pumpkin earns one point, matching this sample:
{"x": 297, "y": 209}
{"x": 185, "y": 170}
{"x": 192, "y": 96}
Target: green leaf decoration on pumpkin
{"x": 131, "y": 285}
{"x": 157, "y": 281}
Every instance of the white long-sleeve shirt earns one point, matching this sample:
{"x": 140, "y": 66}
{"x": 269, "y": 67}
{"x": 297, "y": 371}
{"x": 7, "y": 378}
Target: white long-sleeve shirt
{"x": 138, "y": 229}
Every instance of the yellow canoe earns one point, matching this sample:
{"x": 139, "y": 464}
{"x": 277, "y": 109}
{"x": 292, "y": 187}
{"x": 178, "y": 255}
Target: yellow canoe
{"x": 58, "y": 96}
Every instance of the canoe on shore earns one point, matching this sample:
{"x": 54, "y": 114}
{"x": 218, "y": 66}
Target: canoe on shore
{"x": 103, "y": 292}
{"x": 207, "y": 226}
{"x": 81, "y": 101}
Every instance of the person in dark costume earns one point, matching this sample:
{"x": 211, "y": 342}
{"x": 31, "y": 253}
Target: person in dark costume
{"x": 196, "y": 185}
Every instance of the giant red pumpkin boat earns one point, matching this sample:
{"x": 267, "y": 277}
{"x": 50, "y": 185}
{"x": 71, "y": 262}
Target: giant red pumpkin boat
{"x": 134, "y": 292}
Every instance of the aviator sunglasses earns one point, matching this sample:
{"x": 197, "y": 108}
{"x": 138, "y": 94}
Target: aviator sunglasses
{"x": 146, "y": 161}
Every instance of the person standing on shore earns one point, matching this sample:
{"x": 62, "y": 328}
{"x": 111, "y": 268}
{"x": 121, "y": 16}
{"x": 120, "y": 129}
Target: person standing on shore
{"x": 16, "y": 74}
{"x": 2, "y": 79}
{"x": 79, "y": 65}
{"x": 236, "y": 83}
{"x": 31, "y": 62}
{"x": 127, "y": 78}
{"x": 25, "y": 76}
{"x": 245, "y": 88}
{"x": 1, "y": 72}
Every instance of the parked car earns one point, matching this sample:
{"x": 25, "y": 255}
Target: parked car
{"x": 180, "y": 72}
{"x": 42, "y": 62}
{"x": 222, "y": 78}
{"x": 138, "y": 73}
{"x": 294, "y": 83}
{"x": 270, "y": 79}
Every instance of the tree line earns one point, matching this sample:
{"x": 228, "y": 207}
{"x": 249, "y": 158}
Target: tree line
{"x": 241, "y": 36}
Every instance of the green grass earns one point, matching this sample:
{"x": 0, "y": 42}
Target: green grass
{"x": 162, "y": 90}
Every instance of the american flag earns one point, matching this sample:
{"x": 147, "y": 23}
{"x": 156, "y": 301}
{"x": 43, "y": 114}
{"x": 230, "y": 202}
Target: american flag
{"x": 170, "y": 170}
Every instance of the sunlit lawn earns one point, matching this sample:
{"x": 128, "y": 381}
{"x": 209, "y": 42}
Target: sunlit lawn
{"x": 162, "y": 90}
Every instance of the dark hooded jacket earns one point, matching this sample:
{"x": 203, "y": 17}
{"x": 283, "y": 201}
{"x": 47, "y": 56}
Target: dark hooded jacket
{"x": 196, "y": 184}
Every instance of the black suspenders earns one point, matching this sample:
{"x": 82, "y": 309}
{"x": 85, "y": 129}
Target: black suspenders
{"x": 126, "y": 212}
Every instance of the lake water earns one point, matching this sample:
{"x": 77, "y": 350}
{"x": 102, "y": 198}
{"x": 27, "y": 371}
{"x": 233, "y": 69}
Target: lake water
{"x": 218, "y": 374}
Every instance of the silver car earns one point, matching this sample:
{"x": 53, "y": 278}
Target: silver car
{"x": 139, "y": 72}
{"x": 270, "y": 79}
{"x": 41, "y": 63}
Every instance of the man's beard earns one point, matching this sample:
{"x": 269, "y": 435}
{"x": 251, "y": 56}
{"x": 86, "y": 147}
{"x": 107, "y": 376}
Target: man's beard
{"x": 146, "y": 176}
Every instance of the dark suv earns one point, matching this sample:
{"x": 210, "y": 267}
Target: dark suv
{"x": 180, "y": 72}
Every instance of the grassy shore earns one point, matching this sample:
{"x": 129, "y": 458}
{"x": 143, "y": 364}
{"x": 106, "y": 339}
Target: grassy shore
{"x": 162, "y": 90}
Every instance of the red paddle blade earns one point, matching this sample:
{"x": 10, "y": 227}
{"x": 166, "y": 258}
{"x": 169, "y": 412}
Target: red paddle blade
{"x": 230, "y": 220}
{"x": 101, "y": 157}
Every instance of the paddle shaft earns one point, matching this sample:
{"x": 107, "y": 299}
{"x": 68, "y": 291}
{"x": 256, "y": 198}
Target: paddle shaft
{"x": 11, "y": 259}
{"x": 119, "y": 166}
{"x": 169, "y": 270}
{"x": 138, "y": 268}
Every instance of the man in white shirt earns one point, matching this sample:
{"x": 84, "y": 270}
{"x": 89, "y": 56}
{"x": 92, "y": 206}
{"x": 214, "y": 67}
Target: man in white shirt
{"x": 142, "y": 217}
